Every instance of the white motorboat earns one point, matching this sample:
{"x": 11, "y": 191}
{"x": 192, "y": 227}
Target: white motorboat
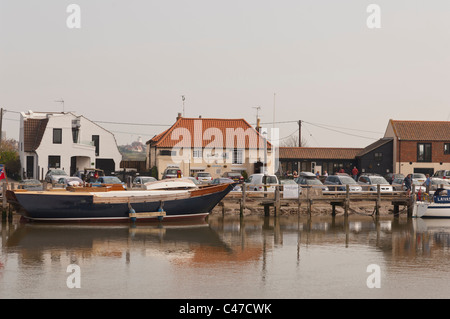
{"x": 436, "y": 206}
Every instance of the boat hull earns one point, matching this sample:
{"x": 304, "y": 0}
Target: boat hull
{"x": 48, "y": 206}
{"x": 431, "y": 210}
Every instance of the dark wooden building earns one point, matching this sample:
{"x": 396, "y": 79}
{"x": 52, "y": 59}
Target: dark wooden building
{"x": 376, "y": 158}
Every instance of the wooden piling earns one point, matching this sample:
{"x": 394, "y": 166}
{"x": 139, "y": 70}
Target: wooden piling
{"x": 277, "y": 202}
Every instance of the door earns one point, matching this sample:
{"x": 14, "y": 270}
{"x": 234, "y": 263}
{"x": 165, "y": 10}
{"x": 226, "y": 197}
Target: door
{"x": 30, "y": 167}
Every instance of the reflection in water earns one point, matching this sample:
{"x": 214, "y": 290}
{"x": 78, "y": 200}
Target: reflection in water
{"x": 228, "y": 257}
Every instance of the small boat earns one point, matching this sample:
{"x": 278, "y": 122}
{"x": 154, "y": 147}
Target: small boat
{"x": 436, "y": 206}
{"x": 109, "y": 204}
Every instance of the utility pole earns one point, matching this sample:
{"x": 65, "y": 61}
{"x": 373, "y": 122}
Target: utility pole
{"x": 1, "y": 124}
{"x": 300, "y": 133}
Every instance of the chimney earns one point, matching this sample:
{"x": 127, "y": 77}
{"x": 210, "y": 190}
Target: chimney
{"x": 199, "y": 116}
{"x": 258, "y": 125}
{"x": 179, "y": 116}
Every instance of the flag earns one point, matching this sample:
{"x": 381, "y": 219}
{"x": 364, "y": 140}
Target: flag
{"x": 2, "y": 172}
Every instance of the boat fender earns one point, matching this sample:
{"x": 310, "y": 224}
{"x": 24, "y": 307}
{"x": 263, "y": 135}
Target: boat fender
{"x": 131, "y": 213}
{"x": 160, "y": 209}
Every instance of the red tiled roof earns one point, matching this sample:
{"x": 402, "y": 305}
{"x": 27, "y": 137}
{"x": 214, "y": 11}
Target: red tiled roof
{"x": 422, "y": 130}
{"x": 209, "y": 131}
{"x": 318, "y": 153}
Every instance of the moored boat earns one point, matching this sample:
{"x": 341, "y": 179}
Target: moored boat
{"x": 96, "y": 204}
{"x": 437, "y": 206}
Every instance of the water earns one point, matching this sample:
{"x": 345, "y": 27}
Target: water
{"x": 253, "y": 257}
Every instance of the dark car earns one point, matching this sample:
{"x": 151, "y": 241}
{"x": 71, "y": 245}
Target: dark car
{"x": 235, "y": 176}
{"x": 307, "y": 179}
{"x": 339, "y": 182}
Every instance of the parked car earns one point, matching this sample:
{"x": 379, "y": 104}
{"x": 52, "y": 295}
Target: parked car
{"x": 90, "y": 175}
{"x": 339, "y": 182}
{"x": 370, "y": 182}
{"x": 235, "y": 176}
{"x": 438, "y": 183}
{"x": 397, "y": 184}
{"x": 444, "y": 174}
{"x": 31, "y": 184}
{"x": 141, "y": 180}
{"x": 172, "y": 172}
{"x": 224, "y": 180}
{"x": 255, "y": 182}
{"x": 109, "y": 180}
{"x": 391, "y": 177}
{"x": 54, "y": 174}
{"x": 203, "y": 177}
{"x": 307, "y": 179}
{"x": 418, "y": 179}
{"x": 69, "y": 181}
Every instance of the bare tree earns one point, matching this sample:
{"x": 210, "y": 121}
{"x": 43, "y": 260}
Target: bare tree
{"x": 292, "y": 141}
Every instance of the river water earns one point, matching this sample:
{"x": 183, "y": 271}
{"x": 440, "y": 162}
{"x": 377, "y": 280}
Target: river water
{"x": 229, "y": 257}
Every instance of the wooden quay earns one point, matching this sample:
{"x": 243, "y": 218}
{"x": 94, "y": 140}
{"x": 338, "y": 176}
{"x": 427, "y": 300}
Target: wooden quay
{"x": 276, "y": 196}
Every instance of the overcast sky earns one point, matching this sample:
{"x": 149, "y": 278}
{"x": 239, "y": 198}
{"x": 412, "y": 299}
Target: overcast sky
{"x": 131, "y": 61}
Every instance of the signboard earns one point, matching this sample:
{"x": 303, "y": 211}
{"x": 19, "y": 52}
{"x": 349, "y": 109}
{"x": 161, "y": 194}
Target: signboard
{"x": 290, "y": 191}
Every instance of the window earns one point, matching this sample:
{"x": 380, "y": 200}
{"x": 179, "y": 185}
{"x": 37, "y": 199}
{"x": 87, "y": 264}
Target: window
{"x": 57, "y": 136}
{"x": 197, "y": 153}
{"x": 96, "y": 141}
{"x": 378, "y": 156}
{"x": 446, "y": 148}
{"x": 167, "y": 153}
{"x": 237, "y": 156}
{"x": 54, "y": 161}
{"x": 424, "y": 152}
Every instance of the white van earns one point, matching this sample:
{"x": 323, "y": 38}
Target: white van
{"x": 255, "y": 182}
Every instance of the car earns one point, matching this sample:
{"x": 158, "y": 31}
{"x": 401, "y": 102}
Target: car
{"x": 54, "y": 174}
{"x": 397, "y": 184}
{"x": 391, "y": 177}
{"x": 69, "y": 181}
{"x": 444, "y": 174}
{"x": 307, "y": 179}
{"x": 108, "y": 180}
{"x": 256, "y": 182}
{"x": 235, "y": 176}
{"x": 172, "y": 172}
{"x": 224, "y": 180}
{"x": 418, "y": 179}
{"x": 370, "y": 182}
{"x": 339, "y": 182}
{"x": 139, "y": 181}
{"x": 90, "y": 175}
{"x": 439, "y": 183}
{"x": 203, "y": 177}
{"x": 31, "y": 184}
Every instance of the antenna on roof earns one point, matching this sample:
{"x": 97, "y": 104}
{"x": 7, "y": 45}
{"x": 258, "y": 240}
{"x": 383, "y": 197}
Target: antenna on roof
{"x": 183, "y": 98}
{"x": 62, "y": 102}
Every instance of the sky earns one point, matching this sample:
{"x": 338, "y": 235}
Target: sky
{"x": 130, "y": 62}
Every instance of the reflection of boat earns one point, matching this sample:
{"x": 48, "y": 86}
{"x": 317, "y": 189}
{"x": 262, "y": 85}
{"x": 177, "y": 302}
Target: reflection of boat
{"x": 437, "y": 207}
{"x": 87, "y": 204}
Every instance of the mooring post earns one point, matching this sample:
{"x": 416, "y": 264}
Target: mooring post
{"x": 277, "y": 202}
{"x": 377, "y": 203}
{"x": 4, "y": 202}
{"x": 347, "y": 199}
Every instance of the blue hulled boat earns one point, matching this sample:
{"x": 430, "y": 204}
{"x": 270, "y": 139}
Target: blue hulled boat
{"x": 105, "y": 204}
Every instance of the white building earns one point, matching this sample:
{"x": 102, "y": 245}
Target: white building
{"x": 66, "y": 141}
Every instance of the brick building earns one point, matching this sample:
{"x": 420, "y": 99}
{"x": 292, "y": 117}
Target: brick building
{"x": 419, "y": 146}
